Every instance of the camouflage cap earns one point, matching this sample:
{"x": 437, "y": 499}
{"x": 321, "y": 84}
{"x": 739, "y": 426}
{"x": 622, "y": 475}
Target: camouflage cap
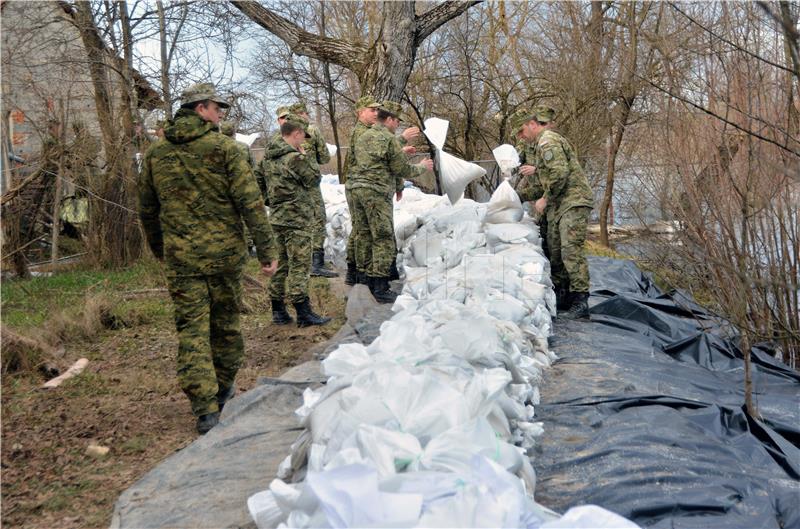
{"x": 544, "y": 113}
{"x": 298, "y": 120}
{"x": 520, "y": 117}
{"x": 283, "y": 112}
{"x": 298, "y": 108}
{"x": 367, "y": 101}
{"x": 394, "y": 108}
{"x": 227, "y": 128}
{"x": 202, "y": 92}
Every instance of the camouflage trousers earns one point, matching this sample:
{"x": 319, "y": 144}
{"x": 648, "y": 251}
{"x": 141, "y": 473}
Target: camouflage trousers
{"x": 320, "y": 218}
{"x": 565, "y": 240}
{"x": 294, "y": 264}
{"x": 351, "y": 240}
{"x": 210, "y": 344}
{"x": 373, "y": 224}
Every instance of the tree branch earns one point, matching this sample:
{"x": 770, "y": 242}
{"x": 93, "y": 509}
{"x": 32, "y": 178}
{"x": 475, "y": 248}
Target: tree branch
{"x": 435, "y": 17}
{"x": 344, "y": 53}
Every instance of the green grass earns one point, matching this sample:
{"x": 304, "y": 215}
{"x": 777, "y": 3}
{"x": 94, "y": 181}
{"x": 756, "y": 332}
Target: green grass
{"x": 28, "y": 303}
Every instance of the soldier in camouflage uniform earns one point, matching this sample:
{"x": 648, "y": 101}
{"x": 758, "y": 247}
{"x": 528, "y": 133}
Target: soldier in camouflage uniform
{"x": 562, "y": 193}
{"x": 291, "y": 181}
{"x": 379, "y": 169}
{"x": 367, "y": 113}
{"x": 195, "y": 190}
{"x": 317, "y": 151}
{"x": 264, "y": 166}
{"x": 530, "y": 185}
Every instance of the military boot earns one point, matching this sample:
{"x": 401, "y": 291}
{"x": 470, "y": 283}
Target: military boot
{"x": 206, "y": 422}
{"x": 362, "y": 278}
{"x": 563, "y": 298}
{"x": 394, "y": 273}
{"x": 318, "y": 265}
{"x": 352, "y": 272}
{"x": 224, "y": 395}
{"x": 279, "y": 314}
{"x": 579, "y": 308}
{"x": 306, "y": 316}
{"x": 381, "y": 291}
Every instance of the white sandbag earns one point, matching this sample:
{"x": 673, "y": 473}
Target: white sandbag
{"x": 455, "y": 173}
{"x": 507, "y": 159}
{"x": 332, "y": 149}
{"x": 504, "y": 206}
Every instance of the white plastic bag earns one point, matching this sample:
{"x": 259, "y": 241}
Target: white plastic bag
{"x": 454, "y": 172}
{"x": 332, "y": 149}
{"x": 507, "y": 159}
{"x": 504, "y": 206}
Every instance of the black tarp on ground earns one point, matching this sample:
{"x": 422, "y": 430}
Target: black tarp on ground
{"x": 644, "y": 415}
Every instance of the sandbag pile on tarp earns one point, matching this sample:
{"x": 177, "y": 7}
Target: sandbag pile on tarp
{"x": 432, "y": 423}
{"x": 338, "y": 225}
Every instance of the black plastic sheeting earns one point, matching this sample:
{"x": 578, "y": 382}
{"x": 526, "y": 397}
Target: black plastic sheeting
{"x": 644, "y": 415}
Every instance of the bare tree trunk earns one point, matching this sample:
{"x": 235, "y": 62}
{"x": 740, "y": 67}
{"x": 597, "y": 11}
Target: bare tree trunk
{"x": 166, "y": 92}
{"x": 56, "y": 212}
{"x": 331, "y": 97}
{"x": 382, "y": 66}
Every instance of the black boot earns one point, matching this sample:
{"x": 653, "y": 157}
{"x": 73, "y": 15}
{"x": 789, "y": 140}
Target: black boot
{"x": 379, "y": 286}
{"x": 206, "y": 422}
{"x": 394, "y": 273}
{"x": 318, "y": 265}
{"x": 224, "y": 395}
{"x": 279, "y": 314}
{"x": 352, "y": 272}
{"x": 362, "y": 279}
{"x": 306, "y": 316}
{"x": 563, "y": 298}
{"x": 579, "y": 308}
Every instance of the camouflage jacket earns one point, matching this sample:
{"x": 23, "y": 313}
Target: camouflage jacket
{"x": 291, "y": 178}
{"x": 559, "y": 177}
{"x": 530, "y": 186}
{"x": 316, "y": 149}
{"x": 359, "y": 129}
{"x": 195, "y": 190}
{"x": 379, "y": 162}
{"x": 264, "y": 167}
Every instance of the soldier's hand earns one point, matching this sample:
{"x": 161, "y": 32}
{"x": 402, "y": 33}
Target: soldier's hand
{"x": 410, "y": 133}
{"x": 540, "y": 204}
{"x": 527, "y": 170}
{"x": 269, "y": 270}
{"x": 410, "y": 150}
{"x": 427, "y": 163}
{"x": 398, "y": 195}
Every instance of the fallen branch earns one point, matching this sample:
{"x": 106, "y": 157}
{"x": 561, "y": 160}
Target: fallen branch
{"x": 74, "y": 370}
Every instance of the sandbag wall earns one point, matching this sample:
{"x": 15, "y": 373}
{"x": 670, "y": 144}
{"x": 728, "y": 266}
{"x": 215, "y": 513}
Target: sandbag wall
{"x": 432, "y": 423}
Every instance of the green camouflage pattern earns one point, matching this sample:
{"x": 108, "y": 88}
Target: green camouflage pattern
{"x": 290, "y": 180}
{"x": 544, "y": 113}
{"x": 352, "y": 241}
{"x": 373, "y": 220}
{"x": 531, "y": 187}
{"x": 194, "y": 190}
{"x": 264, "y": 167}
{"x": 210, "y": 343}
{"x": 359, "y": 129}
{"x": 565, "y": 239}
{"x": 560, "y": 176}
{"x": 294, "y": 265}
{"x": 379, "y": 162}
{"x": 202, "y": 92}
{"x": 317, "y": 151}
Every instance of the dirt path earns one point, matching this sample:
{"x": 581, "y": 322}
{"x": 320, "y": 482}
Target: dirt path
{"x": 127, "y": 399}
